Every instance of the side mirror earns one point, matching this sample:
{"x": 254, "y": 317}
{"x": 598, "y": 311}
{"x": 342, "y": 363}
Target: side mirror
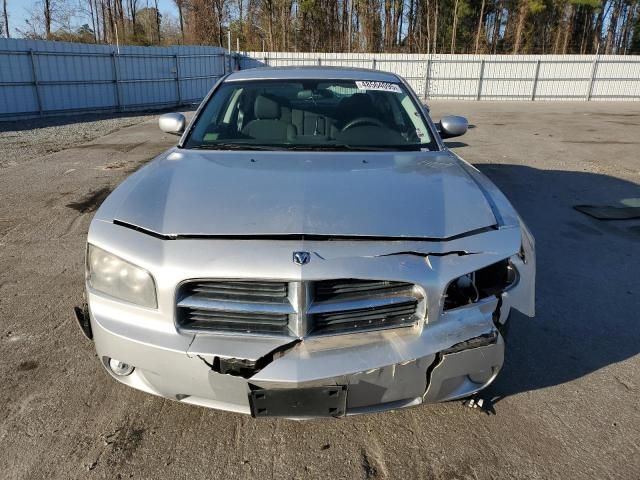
{"x": 453, "y": 126}
{"x": 173, "y": 123}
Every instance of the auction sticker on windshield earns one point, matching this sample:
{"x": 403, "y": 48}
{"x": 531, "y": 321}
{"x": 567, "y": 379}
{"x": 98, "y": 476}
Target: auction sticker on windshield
{"x": 383, "y": 86}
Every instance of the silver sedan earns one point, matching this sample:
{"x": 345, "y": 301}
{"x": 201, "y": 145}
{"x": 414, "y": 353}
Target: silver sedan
{"x": 309, "y": 248}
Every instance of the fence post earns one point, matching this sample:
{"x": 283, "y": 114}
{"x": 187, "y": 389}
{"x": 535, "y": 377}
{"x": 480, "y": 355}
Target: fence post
{"x": 36, "y": 83}
{"x": 116, "y": 80}
{"x": 479, "y": 94}
{"x": 175, "y": 58}
{"x": 594, "y": 69}
{"x": 427, "y": 76}
{"x": 535, "y": 81}
{"x": 373, "y": 64}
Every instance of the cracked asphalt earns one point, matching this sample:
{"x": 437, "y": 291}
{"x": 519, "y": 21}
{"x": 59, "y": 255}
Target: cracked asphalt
{"x": 566, "y": 405}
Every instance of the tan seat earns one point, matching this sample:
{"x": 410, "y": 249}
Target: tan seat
{"x": 268, "y": 124}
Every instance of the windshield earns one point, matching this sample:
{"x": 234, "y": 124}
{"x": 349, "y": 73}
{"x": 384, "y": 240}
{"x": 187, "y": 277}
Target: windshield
{"x": 311, "y": 115}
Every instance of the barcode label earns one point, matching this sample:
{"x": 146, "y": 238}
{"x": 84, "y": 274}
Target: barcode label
{"x": 383, "y": 86}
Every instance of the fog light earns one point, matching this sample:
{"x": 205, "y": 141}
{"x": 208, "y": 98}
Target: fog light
{"x": 120, "y": 368}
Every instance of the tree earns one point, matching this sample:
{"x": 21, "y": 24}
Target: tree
{"x": 7, "y": 32}
{"x": 480, "y": 22}
{"x": 424, "y": 26}
{"x": 149, "y": 22}
{"x": 180, "y": 6}
{"x": 47, "y": 17}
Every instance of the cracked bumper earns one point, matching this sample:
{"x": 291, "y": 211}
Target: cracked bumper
{"x": 382, "y": 370}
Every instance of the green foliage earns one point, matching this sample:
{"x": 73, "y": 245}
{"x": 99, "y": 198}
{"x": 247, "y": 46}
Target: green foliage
{"x": 536, "y": 6}
{"x": 587, "y": 3}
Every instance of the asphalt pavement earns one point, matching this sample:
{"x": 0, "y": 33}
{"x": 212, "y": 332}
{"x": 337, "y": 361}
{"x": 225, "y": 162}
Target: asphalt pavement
{"x": 566, "y": 404}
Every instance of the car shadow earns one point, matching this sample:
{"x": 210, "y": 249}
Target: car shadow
{"x": 587, "y": 290}
{"x": 455, "y": 144}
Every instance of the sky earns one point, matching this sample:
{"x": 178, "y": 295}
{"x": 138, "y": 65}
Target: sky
{"x": 19, "y": 11}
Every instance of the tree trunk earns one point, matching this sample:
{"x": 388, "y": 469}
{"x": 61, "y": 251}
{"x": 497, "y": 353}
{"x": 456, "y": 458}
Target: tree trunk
{"x": 219, "y": 17}
{"x": 180, "y": 5}
{"x": 120, "y": 16}
{"x": 6, "y": 20}
{"x": 398, "y": 21}
{"x": 480, "y": 21}
{"x": 157, "y": 20}
{"x": 522, "y": 18}
{"x": 270, "y": 25}
{"x": 93, "y": 19}
{"x": 597, "y": 34}
{"x": 350, "y": 23}
{"x": 47, "y": 17}
{"x": 435, "y": 29}
{"x": 104, "y": 20}
{"x": 613, "y": 24}
{"x": 387, "y": 23}
{"x": 568, "y": 29}
{"x": 410, "y": 19}
{"x": 425, "y": 12}
{"x": 455, "y": 25}
{"x": 111, "y": 22}
{"x": 132, "y": 11}
{"x": 419, "y": 26}
{"x": 585, "y": 29}
{"x": 627, "y": 36}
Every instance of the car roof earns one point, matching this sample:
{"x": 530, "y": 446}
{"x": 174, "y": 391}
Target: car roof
{"x": 302, "y": 73}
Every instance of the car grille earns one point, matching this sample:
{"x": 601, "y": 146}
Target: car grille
{"x": 297, "y": 308}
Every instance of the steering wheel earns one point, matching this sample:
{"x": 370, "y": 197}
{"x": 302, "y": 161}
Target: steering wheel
{"x": 362, "y": 121}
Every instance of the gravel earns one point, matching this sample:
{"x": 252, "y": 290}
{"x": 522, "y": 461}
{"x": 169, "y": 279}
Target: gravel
{"x": 22, "y": 140}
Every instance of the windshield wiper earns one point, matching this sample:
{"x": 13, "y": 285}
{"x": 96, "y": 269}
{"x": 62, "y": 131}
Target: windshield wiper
{"x": 338, "y": 147}
{"x": 234, "y": 146}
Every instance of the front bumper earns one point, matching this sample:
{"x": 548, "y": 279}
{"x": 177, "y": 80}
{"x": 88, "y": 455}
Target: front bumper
{"x": 382, "y": 370}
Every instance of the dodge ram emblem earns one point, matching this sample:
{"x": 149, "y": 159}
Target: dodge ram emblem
{"x": 301, "y": 258}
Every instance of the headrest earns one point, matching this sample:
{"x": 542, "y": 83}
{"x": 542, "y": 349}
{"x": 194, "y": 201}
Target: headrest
{"x": 265, "y": 108}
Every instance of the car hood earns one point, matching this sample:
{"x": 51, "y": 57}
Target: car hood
{"x": 373, "y": 194}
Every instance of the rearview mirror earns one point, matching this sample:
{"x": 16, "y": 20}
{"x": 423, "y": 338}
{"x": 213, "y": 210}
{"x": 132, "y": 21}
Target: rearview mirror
{"x": 173, "y": 123}
{"x": 452, "y": 126}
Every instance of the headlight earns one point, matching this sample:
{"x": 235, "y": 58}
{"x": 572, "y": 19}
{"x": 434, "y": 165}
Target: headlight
{"x": 472, "y": 287}
{"x": 118, "y": 278}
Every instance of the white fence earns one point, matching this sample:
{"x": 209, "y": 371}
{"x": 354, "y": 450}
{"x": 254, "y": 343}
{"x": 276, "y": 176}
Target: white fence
{"x": 46, "y": 78}
{"x": 487, "y": 77}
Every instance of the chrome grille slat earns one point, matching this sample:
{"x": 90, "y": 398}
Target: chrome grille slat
{"x": 303, "y": 308}
{"x": 243, "y": 290}
{"x": 336, "y": 288}
{"x": 193, "y": 301}
{"x": 235, "y": 288}
{"x": 229, "y": 327}
{"x": 357, "y": 304}
{"x": 234, "y": 317}
{"x": 365, "y": 314}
